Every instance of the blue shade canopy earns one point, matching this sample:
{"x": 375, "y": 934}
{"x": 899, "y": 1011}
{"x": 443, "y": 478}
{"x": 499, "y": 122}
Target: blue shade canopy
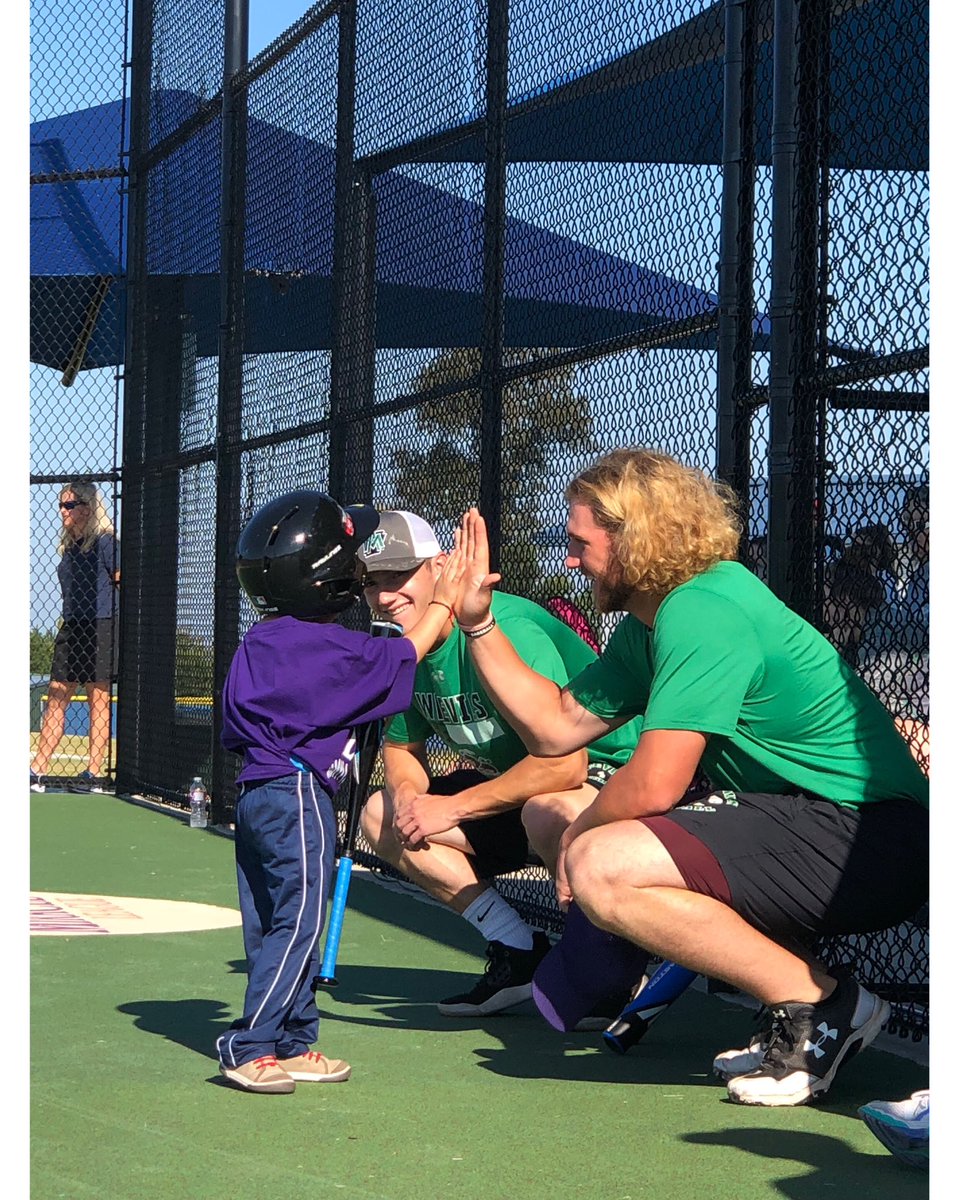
{"x": 663, "y": 101}
{"x": 659, "y": 103}
{"x": 558, "y": 292}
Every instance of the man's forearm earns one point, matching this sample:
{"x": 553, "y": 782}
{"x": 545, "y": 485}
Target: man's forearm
{"x": 532, "y": 776}
{"x": 654, "y": 780}
{"x": 402, "y": 764}
{"x": 531, "y": 703}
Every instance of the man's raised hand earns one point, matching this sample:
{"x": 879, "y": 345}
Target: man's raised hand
{"x": 477, "y": 591}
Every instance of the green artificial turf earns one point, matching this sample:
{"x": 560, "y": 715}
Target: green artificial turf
{"x": 126, "y": 1101}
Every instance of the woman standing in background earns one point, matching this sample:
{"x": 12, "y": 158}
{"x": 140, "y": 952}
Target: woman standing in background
{"x": 89, "y": 571}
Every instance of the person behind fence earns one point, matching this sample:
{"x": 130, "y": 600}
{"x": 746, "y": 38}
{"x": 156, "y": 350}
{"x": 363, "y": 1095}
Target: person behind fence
{"x": 860, "y": 608}
{"x": 83, "y": 652}
{"x": 899, "y": 671}
{"x": 816, "y": 821}
{"x": 297, "y": 688}
{"x": 451, "y": 832}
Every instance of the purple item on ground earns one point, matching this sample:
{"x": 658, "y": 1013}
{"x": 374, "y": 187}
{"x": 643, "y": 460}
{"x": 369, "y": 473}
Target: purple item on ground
{"x": 586, "y": 967}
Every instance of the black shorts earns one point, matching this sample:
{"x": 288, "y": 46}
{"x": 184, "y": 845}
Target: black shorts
{"x": 83, "y": 652}
{"x": 499, "y": 843}
{"x": 800, "y": 866}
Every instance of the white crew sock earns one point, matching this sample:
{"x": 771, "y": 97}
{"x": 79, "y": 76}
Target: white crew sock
{"x": 497, "y": 921}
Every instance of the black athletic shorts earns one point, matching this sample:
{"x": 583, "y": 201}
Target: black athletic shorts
{"x": 83, "y": 652}
{"x": 800, "y": 866}
{"x": 499, "y": 843}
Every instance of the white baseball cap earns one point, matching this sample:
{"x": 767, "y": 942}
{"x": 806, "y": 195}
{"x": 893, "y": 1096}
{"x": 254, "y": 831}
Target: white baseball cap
{"x": 401, "y": 541}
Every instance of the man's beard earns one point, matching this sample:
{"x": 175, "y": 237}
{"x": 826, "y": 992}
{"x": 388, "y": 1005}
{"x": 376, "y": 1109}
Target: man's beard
{"x": 611, "y": 592}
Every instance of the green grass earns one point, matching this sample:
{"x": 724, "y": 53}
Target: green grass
{"x": 126, "y": 1102}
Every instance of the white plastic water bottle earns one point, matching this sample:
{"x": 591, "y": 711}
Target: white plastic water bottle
{"x": 198, "y": 804}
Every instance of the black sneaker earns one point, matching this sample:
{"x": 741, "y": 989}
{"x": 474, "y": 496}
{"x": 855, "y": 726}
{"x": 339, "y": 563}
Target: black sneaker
{"x": 85, "y": 783}
{"x": 507, "y": 980}
{"x": 808, "y": 1044}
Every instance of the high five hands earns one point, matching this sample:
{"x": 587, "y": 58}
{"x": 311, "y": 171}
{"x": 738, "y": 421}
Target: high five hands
{"x": 471, "y": 570}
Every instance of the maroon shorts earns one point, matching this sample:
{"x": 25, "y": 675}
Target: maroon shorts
{"x": 800, "y": 866}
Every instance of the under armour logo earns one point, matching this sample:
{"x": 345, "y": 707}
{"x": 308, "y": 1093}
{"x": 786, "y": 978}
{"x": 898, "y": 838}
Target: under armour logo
{"x": 824, "y": 1034}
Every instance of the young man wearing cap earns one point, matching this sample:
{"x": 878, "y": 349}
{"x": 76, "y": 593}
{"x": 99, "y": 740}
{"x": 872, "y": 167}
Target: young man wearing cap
{"x": 452, "y": 834}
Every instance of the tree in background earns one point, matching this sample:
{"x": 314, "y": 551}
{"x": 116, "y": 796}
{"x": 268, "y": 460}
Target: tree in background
{"x": 194, "y": 666}
{"x": 41, "y": 650}
{"x": 544, "y": 422}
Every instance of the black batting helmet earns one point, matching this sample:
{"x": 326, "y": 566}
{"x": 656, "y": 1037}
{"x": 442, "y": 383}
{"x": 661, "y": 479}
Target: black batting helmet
{"x": 296, "y": 556}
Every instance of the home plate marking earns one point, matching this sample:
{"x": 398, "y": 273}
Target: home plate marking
{"x": 59, "y": 914}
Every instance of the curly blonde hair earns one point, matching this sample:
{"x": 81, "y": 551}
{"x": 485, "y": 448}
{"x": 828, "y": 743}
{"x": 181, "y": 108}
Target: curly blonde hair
{"x": 667, "y": 522}
{"x": 99, "y": 520}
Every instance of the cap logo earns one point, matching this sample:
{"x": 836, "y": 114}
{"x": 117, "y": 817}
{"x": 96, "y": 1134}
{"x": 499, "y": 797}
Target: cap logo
{"x": 348, "y": 524}
{"x": 375, "y": 543}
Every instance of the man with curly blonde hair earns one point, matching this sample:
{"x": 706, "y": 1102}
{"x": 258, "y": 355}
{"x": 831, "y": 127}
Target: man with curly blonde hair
{"x": 815, "y": 823}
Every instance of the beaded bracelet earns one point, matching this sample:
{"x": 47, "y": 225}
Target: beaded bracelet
{"x": 442, "y": 605}
{"x": 480, "y": 630}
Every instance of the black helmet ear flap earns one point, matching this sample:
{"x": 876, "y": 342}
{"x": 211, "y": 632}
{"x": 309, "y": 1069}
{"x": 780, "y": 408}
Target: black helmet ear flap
{"x": 338, "y": 594}
{"x": 296, "y": 556}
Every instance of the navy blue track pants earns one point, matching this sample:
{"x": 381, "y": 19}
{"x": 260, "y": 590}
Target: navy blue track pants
{"x": 285, "y": 840}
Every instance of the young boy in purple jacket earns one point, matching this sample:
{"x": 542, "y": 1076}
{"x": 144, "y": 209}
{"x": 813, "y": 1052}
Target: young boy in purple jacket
{"x": 298, "y": 686}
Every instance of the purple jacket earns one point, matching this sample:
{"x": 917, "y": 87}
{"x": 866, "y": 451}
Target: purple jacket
{"x": 297, "y": 689}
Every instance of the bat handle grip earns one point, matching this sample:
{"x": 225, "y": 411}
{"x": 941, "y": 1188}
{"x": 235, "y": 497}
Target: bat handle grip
{"x": 327, "y": 975}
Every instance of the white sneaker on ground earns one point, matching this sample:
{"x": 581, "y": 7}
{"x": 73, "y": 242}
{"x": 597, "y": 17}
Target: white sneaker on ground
{"x": 902, "y": 1126}
{"x": 731, "y": 1063}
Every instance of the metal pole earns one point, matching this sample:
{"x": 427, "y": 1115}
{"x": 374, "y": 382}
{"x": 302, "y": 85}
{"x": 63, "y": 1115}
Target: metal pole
{"x": 494, "y": 242}
{"x": 226, "y": 617}
{"x": 797, "y": 88}
{"x": 736, "y": 248}
{"x": 342, "y": 398}
{"x": 131, "y": 681}
{"x": 783, "y": 297}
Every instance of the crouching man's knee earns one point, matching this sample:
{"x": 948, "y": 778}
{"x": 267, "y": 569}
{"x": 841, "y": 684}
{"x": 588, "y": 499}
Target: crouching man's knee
{"x": 376, "y": 821}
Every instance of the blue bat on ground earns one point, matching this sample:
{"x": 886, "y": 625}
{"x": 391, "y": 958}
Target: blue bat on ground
{"x": 666, "y": 984}
{"x": 367, "y": 744}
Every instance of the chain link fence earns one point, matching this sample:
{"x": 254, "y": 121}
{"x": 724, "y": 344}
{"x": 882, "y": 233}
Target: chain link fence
{"x": 426, "y": 255}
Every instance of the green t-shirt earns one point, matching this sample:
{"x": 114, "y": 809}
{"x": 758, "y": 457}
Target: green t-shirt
{"x": 450, "y": 701}
{"x": 783, "y": 711}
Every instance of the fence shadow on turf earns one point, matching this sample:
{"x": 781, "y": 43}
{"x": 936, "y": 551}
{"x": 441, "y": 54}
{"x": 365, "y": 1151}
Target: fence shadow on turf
{"x": 829, "y": 1165}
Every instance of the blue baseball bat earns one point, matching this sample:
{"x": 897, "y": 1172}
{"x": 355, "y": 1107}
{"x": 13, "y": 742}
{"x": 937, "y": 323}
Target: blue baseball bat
{"x": 368, "y": 741}
{"x": 666, "y": 984}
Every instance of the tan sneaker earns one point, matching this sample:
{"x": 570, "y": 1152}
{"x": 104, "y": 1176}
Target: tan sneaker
{"x": 313, "y": 1067}
{"x": 259, "y": 1075}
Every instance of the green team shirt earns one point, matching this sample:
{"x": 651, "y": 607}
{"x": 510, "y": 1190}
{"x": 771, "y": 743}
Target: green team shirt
{"x": 450, "y": 701}
{"x": 783, "y": 711}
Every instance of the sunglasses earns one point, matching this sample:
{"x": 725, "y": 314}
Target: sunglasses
{"x": 70, "y": 505}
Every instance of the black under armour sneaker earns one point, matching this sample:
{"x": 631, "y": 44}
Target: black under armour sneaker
{"x": 507, "y": 980}
{"x": 808, "y": 1043}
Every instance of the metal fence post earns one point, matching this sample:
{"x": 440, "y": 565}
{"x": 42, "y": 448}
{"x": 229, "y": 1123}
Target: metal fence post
{"x": 736, "y": 248}
{"x": 131, "y": 679}
{"x": 494, "y": 250}
{"x": 229, "y": 378}
{"x": 793, "y": 309}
